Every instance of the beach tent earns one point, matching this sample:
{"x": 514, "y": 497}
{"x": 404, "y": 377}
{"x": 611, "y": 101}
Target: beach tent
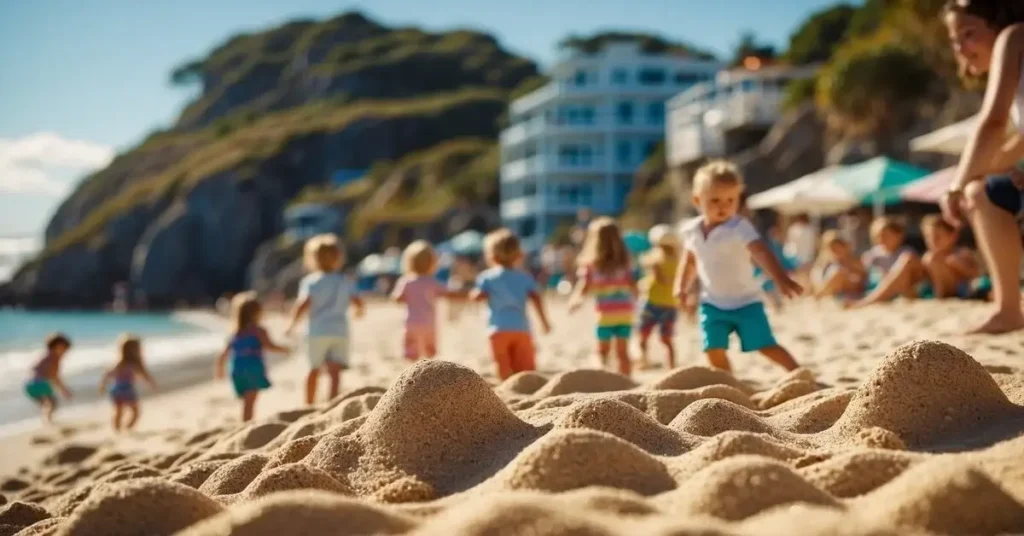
{"x": 877, "y": 182}
{"x": 814, "y": 194}
{"x": 949, "y": 139}
{"x": 636, "y": 242}
{"x": 468, "y": 243}
{"x": 930, "y": 188}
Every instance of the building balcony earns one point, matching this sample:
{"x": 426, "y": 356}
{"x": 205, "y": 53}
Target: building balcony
{"x": 534, "y": 128}
{"x": 541, "y": 165}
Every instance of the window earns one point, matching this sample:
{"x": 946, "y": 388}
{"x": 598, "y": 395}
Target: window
{"x": 624, "y": 112}
{"x": 649, "y": 147}
{"x": 587, "y": 116}
{"x": 529, "y": 227}
{"x": 581, "y": 78}
{"x": 575, "y": 194}
{"x": 568, "y": 155}
{"x": 530, "y": 189}
{"x": 620, "y": 77}
{"x": 624, "y": 152}
{"x": 650, "y": 76}
{"x": 683, "y": 78}
{"x": 586, "y": 155}
{"x": 656, "y": 113}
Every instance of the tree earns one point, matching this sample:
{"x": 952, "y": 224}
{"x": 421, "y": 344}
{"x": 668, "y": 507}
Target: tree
{"x": 860, "y": 92}
{"x": 188, "y": 73}
{"x": 750, "y": 47}
{"x": 817, "y": 38}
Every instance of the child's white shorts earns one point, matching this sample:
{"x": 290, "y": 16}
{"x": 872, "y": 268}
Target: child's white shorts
{"x": 324, "y": 349}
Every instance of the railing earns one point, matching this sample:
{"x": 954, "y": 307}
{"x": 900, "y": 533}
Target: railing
{"x": 540, "y": 164}
{"x": 524, "y": 130}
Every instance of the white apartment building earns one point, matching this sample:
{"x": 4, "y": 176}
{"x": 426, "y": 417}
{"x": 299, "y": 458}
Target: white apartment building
{"x": 576, "y": 142}
{"x": 701, "y": 118}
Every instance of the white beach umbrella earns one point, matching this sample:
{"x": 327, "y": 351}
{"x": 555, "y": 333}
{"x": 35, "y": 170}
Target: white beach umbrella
{"x": 948, "y": 140}
{"x": 815, "y": 194}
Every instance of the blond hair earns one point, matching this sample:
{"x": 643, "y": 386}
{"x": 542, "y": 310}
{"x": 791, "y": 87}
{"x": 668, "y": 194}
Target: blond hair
{"x": 130, "y": 350}
{"x": 666, "y": 246}
{"x": 828, "y": 239}
{"x": 502, "y": 247}
{"x": 934, "y": 221}
{"x": 885, "y": 223}
{"x": 717, "y": 173}
{"x": 321, "y": 252}
{"x": 418, "y": 258}
{"x": 245, "y": 309}
{"x": 604, "y": 249}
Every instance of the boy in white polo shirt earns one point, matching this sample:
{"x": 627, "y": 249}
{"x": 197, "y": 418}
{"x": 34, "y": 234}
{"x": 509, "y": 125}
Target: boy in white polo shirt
{"x": 718, "y": 248}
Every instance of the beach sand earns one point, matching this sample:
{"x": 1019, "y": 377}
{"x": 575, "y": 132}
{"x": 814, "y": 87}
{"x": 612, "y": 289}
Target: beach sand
{"x": 884, "y": 431}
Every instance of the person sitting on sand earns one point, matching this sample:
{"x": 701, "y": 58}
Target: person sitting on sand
{"x": 506, "y": 289}
{"x": 718, "y": 248}
{"x": 419, "y": 290}
{"x": 325, "y": 295}
{"x": 893, "y": 269}
{"x": 659, "y": 307}
{"x": 951, "y": 270}
{"x": 121, "y": 379}
{"x": 46, "y": 376}
{"x": 605, "y": 272}
{"x": 838, "y": 272}
{"x": 988, "y": 40}
{"x": 248, "y": 371}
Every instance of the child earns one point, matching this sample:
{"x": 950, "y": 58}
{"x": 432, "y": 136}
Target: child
{"x": 419, "y": 290}
{"x": 659, "y": 305}
{"x": 123, "y": 393}
{"x": 326, "y": 295}
{"x": 838, "y": 271}
{"x": 248, "y": 371}
{"x": 506, "y": 289}
{"x": 950, "y": 270}
{"x": 893, "y": 269}
{"x": 605, "y": 272}
{"x": 719, "y": 246}
{"x": 46, "y": 376}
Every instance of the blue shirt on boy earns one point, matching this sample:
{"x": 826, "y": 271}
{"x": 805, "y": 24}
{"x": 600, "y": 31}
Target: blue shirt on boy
{"x": 507, "y": 291}
{"x": 330, "y": 295}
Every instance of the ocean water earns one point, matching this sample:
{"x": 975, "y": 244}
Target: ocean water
{"x": 167, "y": 339}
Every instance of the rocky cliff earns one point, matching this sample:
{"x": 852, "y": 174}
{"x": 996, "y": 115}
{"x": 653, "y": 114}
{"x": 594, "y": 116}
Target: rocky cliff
{"x": 182, "y": 215}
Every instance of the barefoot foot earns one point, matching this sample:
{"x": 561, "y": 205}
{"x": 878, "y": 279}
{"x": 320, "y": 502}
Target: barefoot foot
{"x": 999, "y": 322}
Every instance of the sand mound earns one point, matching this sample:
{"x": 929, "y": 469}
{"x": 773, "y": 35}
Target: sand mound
{"x": 522, "y": 383}
{"x": 368, "y": 390}
{"x": 697, "y": 377}
{"x": 293, "y": 477}
{"x": 813, "y": 416}
{"x": 923, "y": 391}
{"x": 70, "y": 454}
{"x": 730, "y": 444}
{"x": 252, "y": 436}
{"x": 584, "y": 381}
{"x": 353, "y": 407}
{"x": 741, "y": 486}
{"x": 784, "y": 392}
{"x": 624, "y": 421}
{"x": 234, "y": 476}
{"x": 569, "y": 459}
{"x": 20, "y": 515}
{"x": 310, "y": 513}
{"x": 194, "y": 474}
{"x": 139, "y": 507}
{"x": 857, "y": 472}
{"x": 291, "y": 452}
{"x": 46, "y": 527}
{"x": 945, "y": 496}
{"x": 710, "y": 417}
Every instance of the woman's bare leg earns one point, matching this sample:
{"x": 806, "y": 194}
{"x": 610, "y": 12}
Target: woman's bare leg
{"x": 998, "y": 238}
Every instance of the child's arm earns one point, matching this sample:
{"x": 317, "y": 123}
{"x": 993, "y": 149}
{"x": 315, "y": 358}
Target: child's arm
{"x": 147, "y": 376}
{"x": 685, "y": 276}
{"x": 298, "y": 311}
{"x": 358, "y": 307}
{"x": 269, "y": 344}
{"x": 105, "y": 381}
{"x": 964, "y": 264}
{"x": 222, "y": 360}
{"x": 580, "y": 291}
{"x": 766, "y": 259}
{"x": 398, "y": 294}
{"x": 60, "y": 386}
{"x": 538, "y": 306}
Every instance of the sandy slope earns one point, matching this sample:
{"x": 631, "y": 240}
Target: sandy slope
{"x": 867, "y": 438}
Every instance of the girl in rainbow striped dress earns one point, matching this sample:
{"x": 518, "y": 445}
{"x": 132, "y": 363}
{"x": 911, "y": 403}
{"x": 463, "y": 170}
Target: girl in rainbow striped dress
{"x": 604, "y": 272}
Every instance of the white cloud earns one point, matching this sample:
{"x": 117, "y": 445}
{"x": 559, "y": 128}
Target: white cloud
{"x": 47, "y": 164}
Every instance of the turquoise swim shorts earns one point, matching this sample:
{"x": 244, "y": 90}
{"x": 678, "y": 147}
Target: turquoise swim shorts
{"x": 39, "y": 390}
{"x": 750, "y": 322}
{"x": 607, "y": 333}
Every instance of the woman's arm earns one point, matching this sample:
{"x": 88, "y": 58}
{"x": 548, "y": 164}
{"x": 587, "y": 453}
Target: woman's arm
{"x": 989, "y": 136}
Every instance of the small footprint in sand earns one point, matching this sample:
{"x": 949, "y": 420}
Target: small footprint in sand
{"x": 846, "y": 379}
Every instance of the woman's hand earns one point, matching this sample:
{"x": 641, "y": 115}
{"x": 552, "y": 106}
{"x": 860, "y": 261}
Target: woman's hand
{"x": 952, "y": 205}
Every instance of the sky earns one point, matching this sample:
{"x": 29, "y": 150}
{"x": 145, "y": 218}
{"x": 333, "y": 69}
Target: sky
{"x": 82, "y": 80}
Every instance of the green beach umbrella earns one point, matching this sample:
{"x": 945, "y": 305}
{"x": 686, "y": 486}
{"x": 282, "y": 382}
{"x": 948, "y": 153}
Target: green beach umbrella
{"x": 879, "y": 181}
{"x": 636, "y": 242}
